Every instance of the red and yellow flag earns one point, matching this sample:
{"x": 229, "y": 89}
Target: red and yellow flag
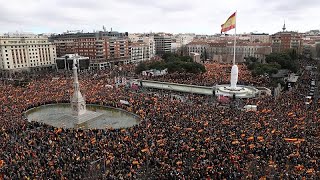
{"x": 229, "y": 24}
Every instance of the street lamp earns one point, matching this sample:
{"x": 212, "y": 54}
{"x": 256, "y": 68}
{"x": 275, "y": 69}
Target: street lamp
{"x": 65, "y": 62}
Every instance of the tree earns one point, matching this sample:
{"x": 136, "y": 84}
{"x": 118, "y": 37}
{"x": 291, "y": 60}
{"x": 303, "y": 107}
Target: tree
{"x": 174, "y": 63}
{"x": 293, "y": 54}
{"x": 158, "y": 65}
{"x": 204, "y": 55}
{"x": 141, "y": 67}
{"x": 285, "y": 60}
{"x": 251, "y": 59}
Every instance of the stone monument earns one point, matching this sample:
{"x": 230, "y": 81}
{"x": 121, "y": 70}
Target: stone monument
{"x": 78, "y": 103}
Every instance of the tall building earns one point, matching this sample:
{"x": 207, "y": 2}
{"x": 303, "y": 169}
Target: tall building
{"x": 139, "y": 52}
{"x": 162, "y": 43}
{"x": 285, "y": 40}
{"x": 30, "y": 53}
{"x": 282, "y": 41}
{"x": 101, "y": 47}
{"x": 144, "y": 38}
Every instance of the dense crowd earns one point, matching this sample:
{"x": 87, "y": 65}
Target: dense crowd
{"x": 175, "y": 139}
{"x": 215, "y": 74}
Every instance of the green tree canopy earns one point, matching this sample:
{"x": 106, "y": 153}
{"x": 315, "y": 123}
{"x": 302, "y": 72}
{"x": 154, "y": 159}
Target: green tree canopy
{"x": 286, "y": 60}
{"x": 174, "y": 63}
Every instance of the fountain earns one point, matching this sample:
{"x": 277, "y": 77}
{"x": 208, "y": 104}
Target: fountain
{"x": 78, "y": 114}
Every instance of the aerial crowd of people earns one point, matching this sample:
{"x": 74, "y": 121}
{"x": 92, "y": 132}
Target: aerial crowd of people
{"x": 175, "y": 139}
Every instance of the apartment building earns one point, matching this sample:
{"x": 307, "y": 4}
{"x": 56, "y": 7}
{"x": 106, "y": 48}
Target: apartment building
{"x": 30, "y": 53}
{"x": 146, "y": 39}
{"x": 162, "y": 43}
{"x": 105, "y": 47}
{"x": 282, "y": 41}
{"x": 139, "y": 52}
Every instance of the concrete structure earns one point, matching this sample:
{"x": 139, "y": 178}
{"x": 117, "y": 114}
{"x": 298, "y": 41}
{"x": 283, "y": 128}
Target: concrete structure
{"x": 151, "y": 46}
{"x": 195, "y": 57}
{"x": 162, "y": 43}
{"x": 29, "y": 53}
{"x": 175, "y": 46}
{"x": 259, "y": 38}
{"x": 177, "y": 87}
{"x": 204, "y": 90}
{"x": 106, "y": 47}
{"x": 222, "y": 51}
{"x": 282, "y": 41}
{"x": 143, "y": 38}
{"x": 66, "y": 61}
{"x": 184, "y": 39}
{"x": 198, "y": 47}
{"x": 78, "y": 103}
{"x": 139, "y": 52}
{"x": 181, "y": 40}
{"x": 311, "y": 48}
{"x": 240, "y": 91}
{"x": 77, "y": 115}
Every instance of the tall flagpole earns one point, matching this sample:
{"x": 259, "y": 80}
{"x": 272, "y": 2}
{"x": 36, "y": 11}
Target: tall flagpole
{"x": 235, "y": 40}
{"x": 234, "y": 69}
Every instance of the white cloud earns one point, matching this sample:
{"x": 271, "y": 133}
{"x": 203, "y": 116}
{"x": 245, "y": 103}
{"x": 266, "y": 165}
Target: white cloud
{"x": 174, "y": 16}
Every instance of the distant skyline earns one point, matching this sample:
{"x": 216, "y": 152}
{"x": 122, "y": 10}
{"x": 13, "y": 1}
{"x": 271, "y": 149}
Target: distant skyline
{"x": 143, "y": 16}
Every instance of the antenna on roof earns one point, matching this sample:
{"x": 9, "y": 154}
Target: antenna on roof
{"x": 284, "y": 26}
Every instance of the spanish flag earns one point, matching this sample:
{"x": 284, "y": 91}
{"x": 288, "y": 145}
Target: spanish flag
{"x": 229, "y": 24}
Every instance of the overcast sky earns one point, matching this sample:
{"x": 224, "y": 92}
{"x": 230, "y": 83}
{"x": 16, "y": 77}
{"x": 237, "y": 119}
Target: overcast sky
{"x": 174, "y": 16}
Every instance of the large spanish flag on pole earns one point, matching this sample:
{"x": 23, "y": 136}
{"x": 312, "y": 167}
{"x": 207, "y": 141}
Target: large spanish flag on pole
{"x": 229, "y": 24}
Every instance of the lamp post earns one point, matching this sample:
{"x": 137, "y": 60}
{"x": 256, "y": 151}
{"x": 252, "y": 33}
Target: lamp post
{"x": 65, "y": 62}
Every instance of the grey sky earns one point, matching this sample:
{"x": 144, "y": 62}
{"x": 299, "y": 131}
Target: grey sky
{"x": 175, "y": 16}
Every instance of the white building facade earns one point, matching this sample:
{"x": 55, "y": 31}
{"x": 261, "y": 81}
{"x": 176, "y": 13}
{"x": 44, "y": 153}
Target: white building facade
{"x": 199, "y": 47}
{"x": 139, "y": 52}
{"x": 260, "y": 38}
{"x": 26, "y": 53}
{"x": 143, "y": 39}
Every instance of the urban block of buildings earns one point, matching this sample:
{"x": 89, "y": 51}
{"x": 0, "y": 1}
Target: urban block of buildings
{"x": 29, "y": 53}
{"x": 103, "y": 49}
